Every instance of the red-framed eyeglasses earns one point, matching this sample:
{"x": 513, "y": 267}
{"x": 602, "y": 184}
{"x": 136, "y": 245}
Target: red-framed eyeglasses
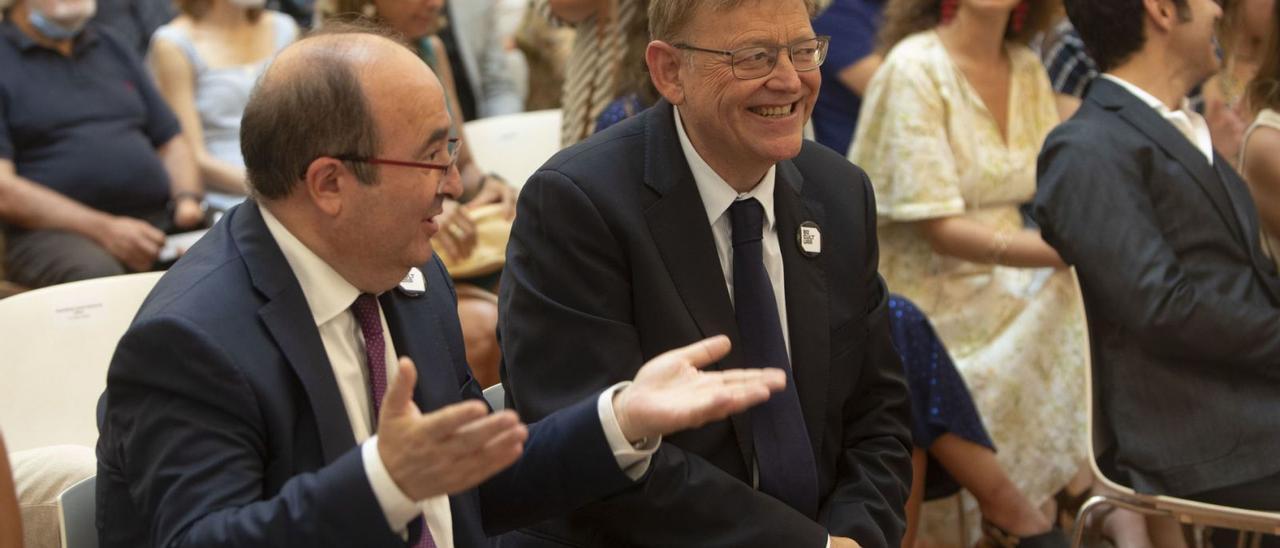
{"x": 455, "y": 144}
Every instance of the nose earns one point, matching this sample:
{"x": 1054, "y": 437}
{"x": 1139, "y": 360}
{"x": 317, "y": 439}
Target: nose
{"x": 451, "y": 185}
{"x": 784, "y": 77}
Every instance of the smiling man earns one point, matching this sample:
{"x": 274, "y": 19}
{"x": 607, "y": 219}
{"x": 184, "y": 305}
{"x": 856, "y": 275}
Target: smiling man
{"x": 257, "y": 401}
{"x": 709, "y": 214}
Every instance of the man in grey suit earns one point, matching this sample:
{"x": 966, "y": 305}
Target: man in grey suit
{"x": 1184, "y": 308}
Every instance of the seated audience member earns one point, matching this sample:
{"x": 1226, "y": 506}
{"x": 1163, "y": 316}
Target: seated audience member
{"x": 10, "y": 518}
{"x": 239, "y": 410}
{"x": 686, "y": 221}
{"x": 949, "y": 132}
{"x": 1241, "y": 34}
{"x": 609, "y": 39}
{"x": 302, "y": 11}
{"x": 952, "y": 447}
{"x": 205, "y": 63}
{"x": 484, "y": 74}
{"x": 852, "y": 61}
{"x": 133, "y": 21}
{"x": 633, "y": 90}
{"x": 1071, "y": 70}
{"x": 93, "y": 165}
{"x": 419, "y": 21}
{"x": 1260, "y": 152}
{"x": 1183, "y": 305}
{"x": 546, "y": 48}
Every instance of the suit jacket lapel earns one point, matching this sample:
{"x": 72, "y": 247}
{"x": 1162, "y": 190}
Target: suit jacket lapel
{"x": 806, "y": 287}
{"x": 418, "y": 334}
{"x": 288, "y": 318}
{"x": 1159, "y": 130}
{"x": 678, "y": 223}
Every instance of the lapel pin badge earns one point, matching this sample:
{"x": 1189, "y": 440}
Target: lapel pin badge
{"x": 414, "y": 284}
{"x": 809, "y": 238}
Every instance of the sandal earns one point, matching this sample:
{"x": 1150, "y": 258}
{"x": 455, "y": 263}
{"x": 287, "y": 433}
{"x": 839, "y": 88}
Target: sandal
{"x": 995, "y": 537}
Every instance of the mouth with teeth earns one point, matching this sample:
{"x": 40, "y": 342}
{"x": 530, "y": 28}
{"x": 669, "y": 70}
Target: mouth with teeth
{"x": 774, "y": 111}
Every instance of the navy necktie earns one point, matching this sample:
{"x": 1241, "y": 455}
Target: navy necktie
{"x": 785, "y": 458}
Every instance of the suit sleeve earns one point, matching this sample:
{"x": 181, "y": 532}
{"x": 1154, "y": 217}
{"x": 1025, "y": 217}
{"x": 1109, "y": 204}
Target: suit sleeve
{"x": 873, "y": 475}
{"x": 175, "y": 398}
{"x": 566, "y": 332}
{"x": 1095, "y": 212}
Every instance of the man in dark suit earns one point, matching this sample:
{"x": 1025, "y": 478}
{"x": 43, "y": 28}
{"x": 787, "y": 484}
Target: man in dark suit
{"x": 1184, "y": 308}
{"x": 251, "y": 402}
{"x": 708, "y": 214}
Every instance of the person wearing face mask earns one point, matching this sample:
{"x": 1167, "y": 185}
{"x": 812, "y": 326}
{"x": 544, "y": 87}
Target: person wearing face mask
{"x": 205, "y": 63}
{"x": 93, "y": 166}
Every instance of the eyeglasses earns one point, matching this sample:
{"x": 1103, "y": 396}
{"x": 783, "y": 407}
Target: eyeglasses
{"x": 754, "y": 62}
{"x": 455, "y": 144}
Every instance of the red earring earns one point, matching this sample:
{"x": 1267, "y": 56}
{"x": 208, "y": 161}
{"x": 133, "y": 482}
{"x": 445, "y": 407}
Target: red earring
{"x": 948, "y": 10}
{"x": 1019, "y": 17}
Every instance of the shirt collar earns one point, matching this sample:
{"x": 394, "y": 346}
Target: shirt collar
{"x": 1148, "y": 98}
{"x": 716, "y": 193}
{"x": 327, "y": 292}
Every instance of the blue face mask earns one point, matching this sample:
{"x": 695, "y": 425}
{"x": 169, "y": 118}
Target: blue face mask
{"x": 53, "y": 30}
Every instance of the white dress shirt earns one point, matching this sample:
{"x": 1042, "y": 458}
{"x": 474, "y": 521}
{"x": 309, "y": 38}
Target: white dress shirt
{"x": 330, "y": 296}
{"x": 1189, "y": 122}
{"x": 717, "y": 196}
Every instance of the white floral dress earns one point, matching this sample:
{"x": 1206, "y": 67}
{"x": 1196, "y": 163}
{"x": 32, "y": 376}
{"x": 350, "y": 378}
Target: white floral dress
{"x": 933, "y": 150}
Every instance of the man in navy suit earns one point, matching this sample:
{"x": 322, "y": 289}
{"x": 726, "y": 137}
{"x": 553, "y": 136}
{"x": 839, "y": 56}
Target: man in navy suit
{"x": 257, "y": 401}
{"x": 709, "y": 214}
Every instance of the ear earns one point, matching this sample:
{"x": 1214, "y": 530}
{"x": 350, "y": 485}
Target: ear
{"x": 1163, "y": 14}
{"x": 664, "y": 69}
{"x": 324, "y": 184}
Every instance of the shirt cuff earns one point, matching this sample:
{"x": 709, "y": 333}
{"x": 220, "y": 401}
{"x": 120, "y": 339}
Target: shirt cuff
{"x": 396, "y": 506}
{"x": 828, "y": 541}
{"x": 633, "y": 460}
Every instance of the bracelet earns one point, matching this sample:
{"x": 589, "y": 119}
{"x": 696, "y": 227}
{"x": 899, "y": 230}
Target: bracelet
{"x": 1000, "y": 245}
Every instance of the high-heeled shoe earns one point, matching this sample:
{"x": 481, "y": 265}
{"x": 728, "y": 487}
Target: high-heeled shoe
{"x": 995, "y": 537}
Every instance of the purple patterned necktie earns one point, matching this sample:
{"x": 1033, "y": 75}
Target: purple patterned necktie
{"x": 375, "y": 354}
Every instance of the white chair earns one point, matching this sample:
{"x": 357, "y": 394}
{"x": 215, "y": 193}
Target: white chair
{"x": 76, "y": 515}
{"x": 1186, "y": 512}
{"x": 515, "y": 145}
{"x": 54, "y": 351}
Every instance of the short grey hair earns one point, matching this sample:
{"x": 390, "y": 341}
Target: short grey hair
{"x": 668, "y": 18}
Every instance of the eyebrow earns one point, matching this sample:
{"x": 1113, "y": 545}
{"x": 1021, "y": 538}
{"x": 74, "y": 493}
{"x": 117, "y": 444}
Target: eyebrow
{"x": 435, "y": 138}
{"x": 764, "y": 42}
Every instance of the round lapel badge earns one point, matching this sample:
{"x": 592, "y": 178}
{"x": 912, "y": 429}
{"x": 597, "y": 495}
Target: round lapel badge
{"x": 809, "y": 239}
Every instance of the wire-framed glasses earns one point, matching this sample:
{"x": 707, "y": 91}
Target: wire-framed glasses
{"x": 753, "y": 62}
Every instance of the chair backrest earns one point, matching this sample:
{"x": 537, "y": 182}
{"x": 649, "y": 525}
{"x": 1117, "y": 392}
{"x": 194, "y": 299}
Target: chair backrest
{"x": 55, "y": 345}
{"x": 76, "y": 515}
{"x": 514, "y": 145}
{"x": 1183, "y": 510}
{"x": 496, "y": 395}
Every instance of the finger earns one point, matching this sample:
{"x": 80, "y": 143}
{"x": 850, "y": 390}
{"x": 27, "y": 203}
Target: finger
{"x": 772, "y": 378}
{"x": 151, "y": 233}
{"x": 475, "y": 434}
{"x": 447, "y": 246}
{"x": 495, "y": 456}
{"x": 398, "y": 400}
{"x": 701, "y": 353}
{"x": 444, "y": 422}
